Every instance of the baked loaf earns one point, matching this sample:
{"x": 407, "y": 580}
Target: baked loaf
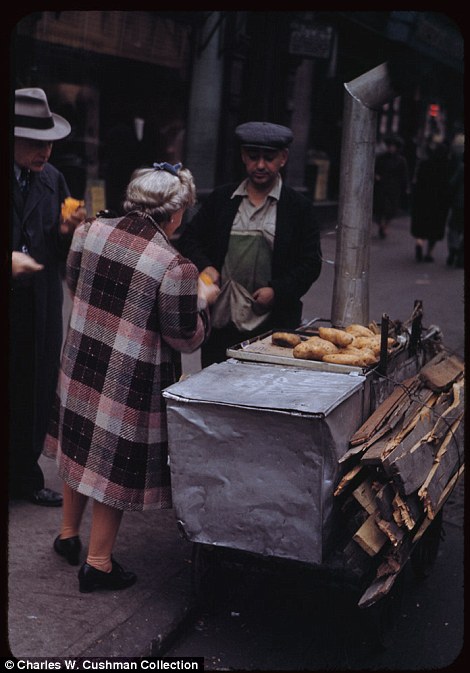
{"x": 285, "y": 339}
{"x": 357, "y": 359}
{"x": 314, "y": 348}
{"x": 359, "y": 330}
{"x": 372, "y": 343}
{"x": 337, "y": 336}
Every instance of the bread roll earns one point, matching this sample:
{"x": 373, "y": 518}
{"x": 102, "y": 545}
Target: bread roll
{"x": 314, "y": 349}
{"x": 360, "y": 352}
{"x": 372, "y": 343}
{"x": 359, "y": 330}
{"x": 366, "y": 341}
{"x": 285, "y": 339}
{"x": 352, "y": 359}
{"x": 337, "y": 336}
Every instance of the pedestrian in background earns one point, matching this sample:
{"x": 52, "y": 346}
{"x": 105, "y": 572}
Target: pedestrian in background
{"x": 39, "y": 241}
{"x": 137, "y": 305}
{"x": 430, "y": 201}
{"x": 455, "y": 225}
{"x": 391, "y": 187}
{"x": 258, "y": 240}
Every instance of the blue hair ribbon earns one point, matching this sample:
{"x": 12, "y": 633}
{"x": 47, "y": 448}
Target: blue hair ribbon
{"x": 170, "y": 168}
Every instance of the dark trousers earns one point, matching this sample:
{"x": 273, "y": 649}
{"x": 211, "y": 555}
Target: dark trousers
{"x": 25, "y": 475}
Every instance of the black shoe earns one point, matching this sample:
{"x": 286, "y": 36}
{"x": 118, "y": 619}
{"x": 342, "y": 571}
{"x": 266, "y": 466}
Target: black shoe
{"x": 90, "y": 578}
{"x": 69, "y": 548}
{"x": 45, "y": 497}
{"x": 419, "y": 253}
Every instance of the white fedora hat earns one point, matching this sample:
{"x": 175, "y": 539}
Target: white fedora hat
{"x": 33, "y": 118}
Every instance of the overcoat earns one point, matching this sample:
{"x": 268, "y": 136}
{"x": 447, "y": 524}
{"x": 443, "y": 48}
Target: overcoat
{"x": 430, "y": 199}
{"x": 35, "y": 223}
{"x": 134, "y": 312}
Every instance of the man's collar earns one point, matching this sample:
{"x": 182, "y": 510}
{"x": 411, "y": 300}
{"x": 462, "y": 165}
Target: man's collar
{"x": 275, "y": 192}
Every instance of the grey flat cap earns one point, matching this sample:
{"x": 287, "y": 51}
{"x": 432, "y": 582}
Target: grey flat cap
{"x": 264, "y": 134}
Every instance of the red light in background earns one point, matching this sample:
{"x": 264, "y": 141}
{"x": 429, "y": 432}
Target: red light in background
{"x": 434, "y": 110}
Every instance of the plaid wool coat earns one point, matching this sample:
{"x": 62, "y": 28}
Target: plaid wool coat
{"x": 134, "y": 312}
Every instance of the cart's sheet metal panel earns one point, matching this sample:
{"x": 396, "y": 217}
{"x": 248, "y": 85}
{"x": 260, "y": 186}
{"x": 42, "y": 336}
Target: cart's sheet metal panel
{"x": 268, "y": 387}
{"x": 252, "y": 477}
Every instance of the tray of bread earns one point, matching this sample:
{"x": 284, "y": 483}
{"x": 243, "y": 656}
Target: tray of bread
{"x": 355, "y": 348}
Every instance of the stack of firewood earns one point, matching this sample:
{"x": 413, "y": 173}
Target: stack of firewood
{"x": 402, "y": 465}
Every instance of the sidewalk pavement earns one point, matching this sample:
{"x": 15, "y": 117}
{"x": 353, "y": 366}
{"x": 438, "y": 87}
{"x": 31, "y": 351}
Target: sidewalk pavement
{"x": 49, "y": 617}
{"x": 46, "y": 614}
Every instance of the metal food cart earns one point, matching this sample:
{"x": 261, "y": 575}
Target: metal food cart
{"x": 255, "y": 448}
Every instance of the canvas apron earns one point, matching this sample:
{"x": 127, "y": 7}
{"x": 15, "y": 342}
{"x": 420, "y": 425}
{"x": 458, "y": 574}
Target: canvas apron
{"x": 248, "y": 260}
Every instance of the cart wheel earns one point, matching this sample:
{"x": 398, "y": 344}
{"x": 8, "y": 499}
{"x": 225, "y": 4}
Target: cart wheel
{"x": 383, "y": 616}
{"x": 424, "y": 554}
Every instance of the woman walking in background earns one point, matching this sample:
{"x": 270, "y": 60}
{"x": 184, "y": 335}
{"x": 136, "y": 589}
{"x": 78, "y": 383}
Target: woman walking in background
{"x": 138, "y": 304}
{"x": 455, "y": 224}
{"x": 391, "y": 183}
{"x": 430, "y": 202}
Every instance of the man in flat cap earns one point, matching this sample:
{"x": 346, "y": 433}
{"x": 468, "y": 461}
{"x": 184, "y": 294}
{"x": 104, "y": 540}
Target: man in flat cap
{"x": 258, "y": 241}
{"x": 39, "y": 243}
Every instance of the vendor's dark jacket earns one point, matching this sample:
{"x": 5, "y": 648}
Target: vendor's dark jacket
{"x": 296, "y": 260}
{"x": 35, "y": 223}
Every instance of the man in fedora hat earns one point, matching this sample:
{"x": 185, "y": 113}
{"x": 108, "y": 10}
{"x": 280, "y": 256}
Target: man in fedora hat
{"x": 258, "y": 240}
{"x": 39, "y": 244}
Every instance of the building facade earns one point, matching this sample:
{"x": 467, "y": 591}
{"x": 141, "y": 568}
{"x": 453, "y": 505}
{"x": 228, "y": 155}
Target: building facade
{"x": 140, "y": 86}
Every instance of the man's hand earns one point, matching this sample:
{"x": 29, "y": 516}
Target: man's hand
{"x": 24, "y": 265}
{"x": 68, "y": 226}
{"x": 264, "y": 300}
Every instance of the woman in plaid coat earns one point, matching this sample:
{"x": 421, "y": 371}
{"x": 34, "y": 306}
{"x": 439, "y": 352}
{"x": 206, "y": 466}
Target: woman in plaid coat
{"x": 137, "y": 305}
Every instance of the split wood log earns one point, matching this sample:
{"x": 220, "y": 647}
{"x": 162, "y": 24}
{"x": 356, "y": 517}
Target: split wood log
{"x": 370, "y": 537}
{"x": 416, "y": 426}
{"x": 410, "y": 470}
{"x": 440, "y": 373}
{"x": 348, "y": 479}
{"x": 378, "y": 589}
{"x": 394, "y": 533}
{"x": 379, "y": 417}
{"x": 448, "y": 459}
{"x": 453, "y": 411}
{"x": 395, "y": 559}
{"x": 407, "y": 512}
{"x": 365, "y": 496}
{"x": 384, "y": 499}
{"x": 361, "y": 448}
{"x": 445, "y": 494}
